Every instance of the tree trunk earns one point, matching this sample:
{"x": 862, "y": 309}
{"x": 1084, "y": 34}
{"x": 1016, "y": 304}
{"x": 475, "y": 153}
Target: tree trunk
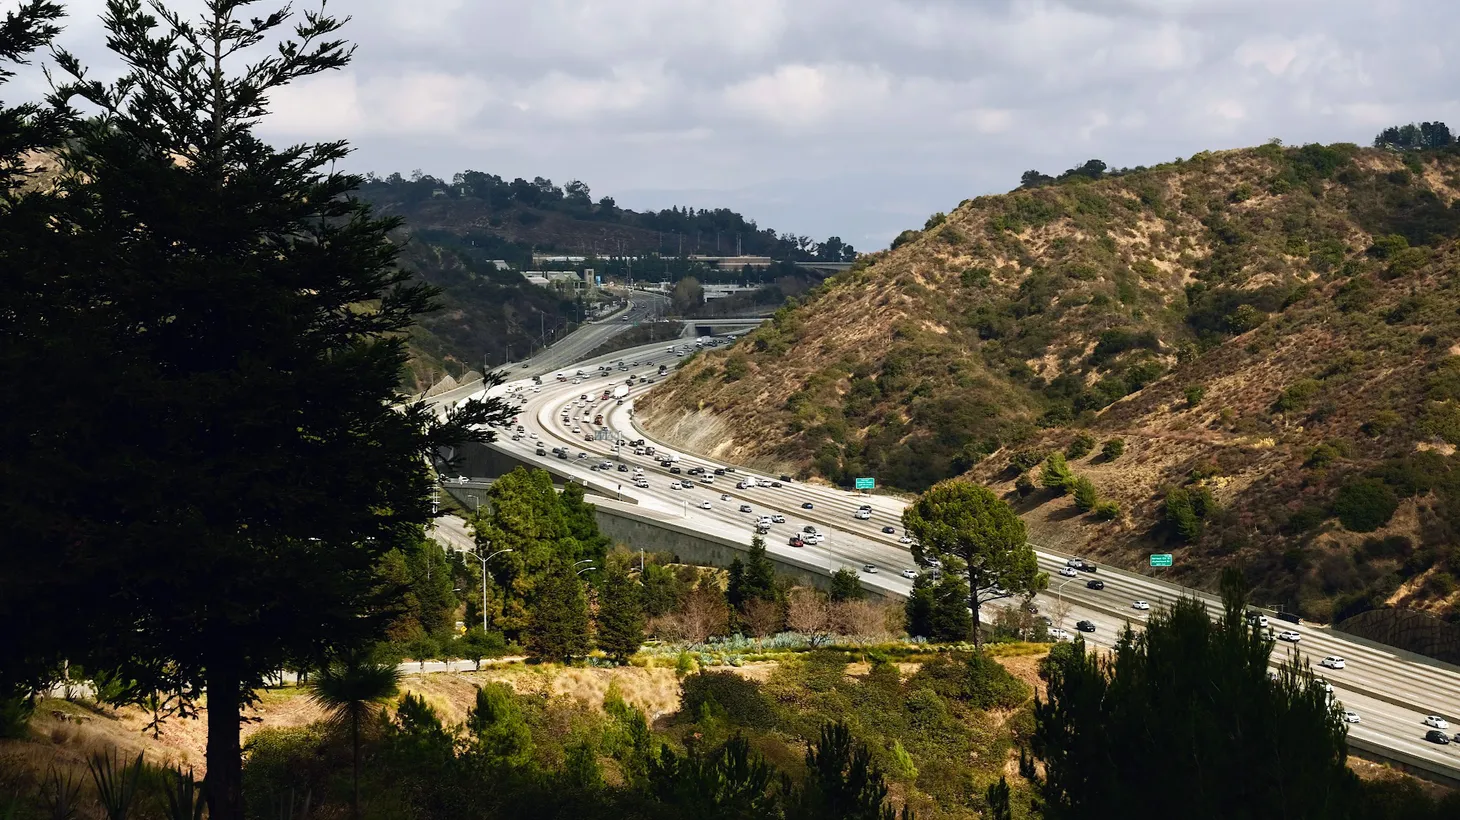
{"x": 973, "y": 605}
{"x": 355, "y": 765}
{"x": 225, "y": 756}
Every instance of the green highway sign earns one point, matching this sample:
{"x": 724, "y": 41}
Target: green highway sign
{"x": 866, "y": 483}
{"x": 1161, "y": 559}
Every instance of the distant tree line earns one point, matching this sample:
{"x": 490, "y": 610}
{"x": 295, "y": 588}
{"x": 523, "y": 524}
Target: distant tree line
{"x": 1413, "y": 137}
{"x": 714, "y": 232}
{"x": 1090, "y": 170}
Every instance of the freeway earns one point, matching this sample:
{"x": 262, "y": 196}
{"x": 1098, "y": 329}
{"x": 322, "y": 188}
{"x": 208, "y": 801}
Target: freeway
{"x": 1392, "y": 691}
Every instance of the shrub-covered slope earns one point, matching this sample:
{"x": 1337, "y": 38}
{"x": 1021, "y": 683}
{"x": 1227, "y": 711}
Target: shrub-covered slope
{"x": 1272, "y": 335}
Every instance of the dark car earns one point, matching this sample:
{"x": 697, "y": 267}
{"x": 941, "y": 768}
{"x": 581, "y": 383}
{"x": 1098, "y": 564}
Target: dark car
{"x": 562, "y": 454}
{"x": 623, "y": 468}
{"x": 541, "y": 451}
{"x": 775, "y": 483}
{"x": 1088, "y": 567}
{"x": 1085, "y": 626}
{"x": 675, "y": 470}
{"x": 796, "y": 541}
{"x": 806, "y": 505}
{"x": 785, "y": 478}
{"x": 889, "y": 530}
{"x": 719, "y": 471}
{"x": 1437, "y": 736}
{"x": 1095, "y": 584}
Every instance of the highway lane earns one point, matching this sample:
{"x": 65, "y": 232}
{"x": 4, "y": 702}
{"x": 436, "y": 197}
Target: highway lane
{"x": 1391, "y": 690}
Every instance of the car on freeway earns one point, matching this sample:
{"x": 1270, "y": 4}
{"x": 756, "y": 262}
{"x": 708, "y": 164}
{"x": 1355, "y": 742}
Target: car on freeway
{"x": 532, "y": 435}
{"x": 775, "y": 484}
{"x": 807, "y": 505}
{"x": 1141, "y": 605}
{"x": 1085, "y": 626}
{"x": 516, "y": 436}
{"x": 785, "y": 478}
{"x": 906, "y": 539}
{"x": 1436, "y": 721}
{"x": 1060, "y": 635}
{"x": 674, "y": 485}
{"x": 719, "y": 471}
{"x": 808, "y": 528}
{"x": 1350, "y": 716}
{"x": 909, "y": 574}
{"x": 582, "y": 454}
{"x": 889, "y": 530}
{"x": 1290, "y": 636}
{"x": 1333, "y": 662}
{"x": 724, "y": 496}
{"x": 862, "y": 515}
{"x": 675, "y": 470}
{"x": 778, "y": 518}
{"x": 541, "y": 451}
{"x": 562, "y": 454}
{"x": 623, "y": 468}
{"x": 1095, "y": 584}
{"x": 688, "y": 485}
{"x": 1257, "y": 618}
{"x": 642, "y": 484}
{"x": 577, "y": 429}
{"x": 796, "y": 541}
{"x": 638, "y": 470}
{"x": 705, "y": 505}
{"x": 764, "y": 482}
{"x": 1069, "y": 572}
{"x": 745, "y": 508}
{"x": 587, "y": 437}
{"x": 871, "y": 569}
{"x": 1437, "y": 736}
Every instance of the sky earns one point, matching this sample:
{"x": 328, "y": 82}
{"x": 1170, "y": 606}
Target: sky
{"x": 855, "y": 118}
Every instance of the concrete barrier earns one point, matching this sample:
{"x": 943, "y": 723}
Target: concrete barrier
{"x": 1403, "y": 761}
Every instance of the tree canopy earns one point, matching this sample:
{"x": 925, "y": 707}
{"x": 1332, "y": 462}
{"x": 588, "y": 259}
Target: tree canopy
{"x": 975, "y": 536}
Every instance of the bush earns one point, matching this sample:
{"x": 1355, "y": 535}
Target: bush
{"x": 1321, "y": 456}
{"x": 1081, "y": 446}
{"x": 1107, "y": 510}
{"x": 1056, "y": 474}
{"x": 1024, "y": 485}
{"x": 1086, "y": 496}
{"x": 1194, "y": 394}
{"x": 1027, "y": 459}
{"x": 1382, "y": 422}
{"x": 1297, "y": 396}
{"x": 1182, "y": 516}
{"x": 1113, "y": 449}
{"x": 741, "y": 699}
{"x": 1365, "y": 505}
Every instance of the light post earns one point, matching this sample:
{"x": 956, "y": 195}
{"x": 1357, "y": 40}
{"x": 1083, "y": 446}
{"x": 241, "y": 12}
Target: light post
{"x": 484, "y": 579}
{"x": 588, "y": 561}
{"x": 1059, "y": 601}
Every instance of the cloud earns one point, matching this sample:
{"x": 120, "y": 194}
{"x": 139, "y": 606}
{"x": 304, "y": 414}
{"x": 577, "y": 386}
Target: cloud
{"x": 848, "y": 117}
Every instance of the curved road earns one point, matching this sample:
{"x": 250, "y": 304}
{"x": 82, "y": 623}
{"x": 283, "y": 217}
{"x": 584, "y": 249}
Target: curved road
{"x": 1391, "y": 690}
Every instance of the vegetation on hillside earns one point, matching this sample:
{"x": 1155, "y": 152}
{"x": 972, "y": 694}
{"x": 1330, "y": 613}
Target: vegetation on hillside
{"x": 1271, "y": 334}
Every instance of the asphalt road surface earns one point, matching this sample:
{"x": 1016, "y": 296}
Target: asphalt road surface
{"x": 1391, "y": 690}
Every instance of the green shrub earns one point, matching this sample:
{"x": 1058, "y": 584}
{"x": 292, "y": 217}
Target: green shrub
{"x": 1113, "y": 449}
{"x": 1027, "y": 459}
{"x": 935, "y": 220}
{"x": 1365, "y": 504}
{"x": 1180, "y": 513}
{"x": 1024, "y": 485}
{"x": 1296, "y": 396}
{"x": 1081, "y": 446}
{"x": 1086, "y": 496}
{"x": 1441, "y": 419}
{"x": 1440, "y": 584}
{"x": 1194, "y": 394}
{"x": 1382, "y": 422}
{"x": 1056, "y": 474}
{"x": 1107, "y": 510}
{"x": 741, "y": 699}
{"x": 1321, "y": 456}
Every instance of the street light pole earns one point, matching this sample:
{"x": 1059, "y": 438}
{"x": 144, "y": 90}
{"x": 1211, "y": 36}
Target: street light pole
{"x": 1059, "y": 601}
{"x": 484, "y": 578}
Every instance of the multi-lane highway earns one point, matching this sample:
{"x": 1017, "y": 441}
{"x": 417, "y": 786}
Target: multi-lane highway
{"x": 1391, "y": 691}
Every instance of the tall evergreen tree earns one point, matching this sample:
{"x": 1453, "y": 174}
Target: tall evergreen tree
{"x": 558, "y": 620}
{"x": 218, "y": 355}
{"x": 846, "y": 585}
{"x": 842, "y": 781}
{"x": 1196, "y": 696}
{"x": 760, "y": 573}
{"x": 620, "y": 614}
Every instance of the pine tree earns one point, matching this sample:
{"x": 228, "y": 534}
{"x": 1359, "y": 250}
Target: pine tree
{"x": 237, "y": 324}
{"x": 846, "y": 585}
{"x": 919, "y": 607}
{"x": 620, "y": 615}
{"x": 760, "y": 573}
{"x": 558, "y": 620}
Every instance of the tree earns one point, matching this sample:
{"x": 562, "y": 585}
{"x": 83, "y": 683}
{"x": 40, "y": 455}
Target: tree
{"x": 1034, "y": 179}
{"x": 351, "y": 689}
{"x": 620, "y": 614}
{"x": 239, "y": 324}
{"x": 558, "y": 621}
{"x": 977, "y": 537}
{"x": 687, "y": 295}
{"x": 1412, "y": 137}
{"x": 500, "y": 738}
{"x": 808, "y": 612}
{"x": 734, "y": 781}
{"x": 1085, "y": 494}
{"x": 1112, "y": 449}
{"x": 1196, "y": 696}
{"x": 997, "y": 798}
{"x": 842, "y": 781}
{"x": 1056, "y": 474}
{"x": 918, "y": 609}
{"x": 846, "y": 585}
{"x": 950, "y": 618}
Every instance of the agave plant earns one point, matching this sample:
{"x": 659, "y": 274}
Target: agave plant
{"x": 116, "y": 783}
{"x": 61, "y": 795}
{"x": 185, "y": 799}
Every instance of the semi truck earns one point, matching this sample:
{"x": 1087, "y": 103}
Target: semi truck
{"x": 620, "y": 392}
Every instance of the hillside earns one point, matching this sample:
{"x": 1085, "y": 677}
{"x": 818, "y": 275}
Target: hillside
{"x": 1271, "y": 333}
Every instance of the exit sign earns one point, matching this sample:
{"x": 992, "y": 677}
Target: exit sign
{"x": 1161, "y": 559}
{"x": 866, "y": 483}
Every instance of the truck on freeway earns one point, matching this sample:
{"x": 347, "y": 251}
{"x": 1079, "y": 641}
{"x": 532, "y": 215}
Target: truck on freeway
{"x": 619, "y": 392}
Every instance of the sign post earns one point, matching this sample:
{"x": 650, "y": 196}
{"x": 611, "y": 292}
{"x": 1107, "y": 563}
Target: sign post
{"x": 866, "y": 483}
{"x": 1161, "y": 559}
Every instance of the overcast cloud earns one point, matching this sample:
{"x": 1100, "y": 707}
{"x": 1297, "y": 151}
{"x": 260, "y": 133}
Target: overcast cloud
{"x": 852, "y": 117}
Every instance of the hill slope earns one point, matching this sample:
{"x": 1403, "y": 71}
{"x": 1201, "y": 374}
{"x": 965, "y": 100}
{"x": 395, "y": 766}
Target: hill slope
{"x": 1271, "y": 332}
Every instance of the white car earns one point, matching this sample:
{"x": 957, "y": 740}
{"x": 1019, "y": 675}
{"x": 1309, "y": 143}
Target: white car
{"x": 1437, "y": 722}
{"x": 1332, "y": 662}
{"x": 704, "y": 505}
{"x": 641, "y": 484}
{"x": 674, "y": 485}
{"x": 906, "y": 539}
{"x": 532, "y": 435}
{"x": 1059, "y": 634}
{"x": 1075, "y": 562}
{"x": 909, "y": 574}
{"x": 814, "y": 537}
{"x": 576, "y": 429}
{"x": 1290, "y": 636}
{"x": 1069, "y": 572}
{"x": 1141, "y": 605}
{"x": 777, "y": 518}
{"x": 724, "y": 497}
{"x": 764, "y": 482}
{"x": 869, "y": 568}
{"x": 1350, "y": 716}
{"x": 862, "y": 514}
{"x": 638, "y": 470}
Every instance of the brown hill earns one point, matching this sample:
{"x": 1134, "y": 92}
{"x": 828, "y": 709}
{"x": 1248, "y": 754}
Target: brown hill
{"x": 1271, "y": 333}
